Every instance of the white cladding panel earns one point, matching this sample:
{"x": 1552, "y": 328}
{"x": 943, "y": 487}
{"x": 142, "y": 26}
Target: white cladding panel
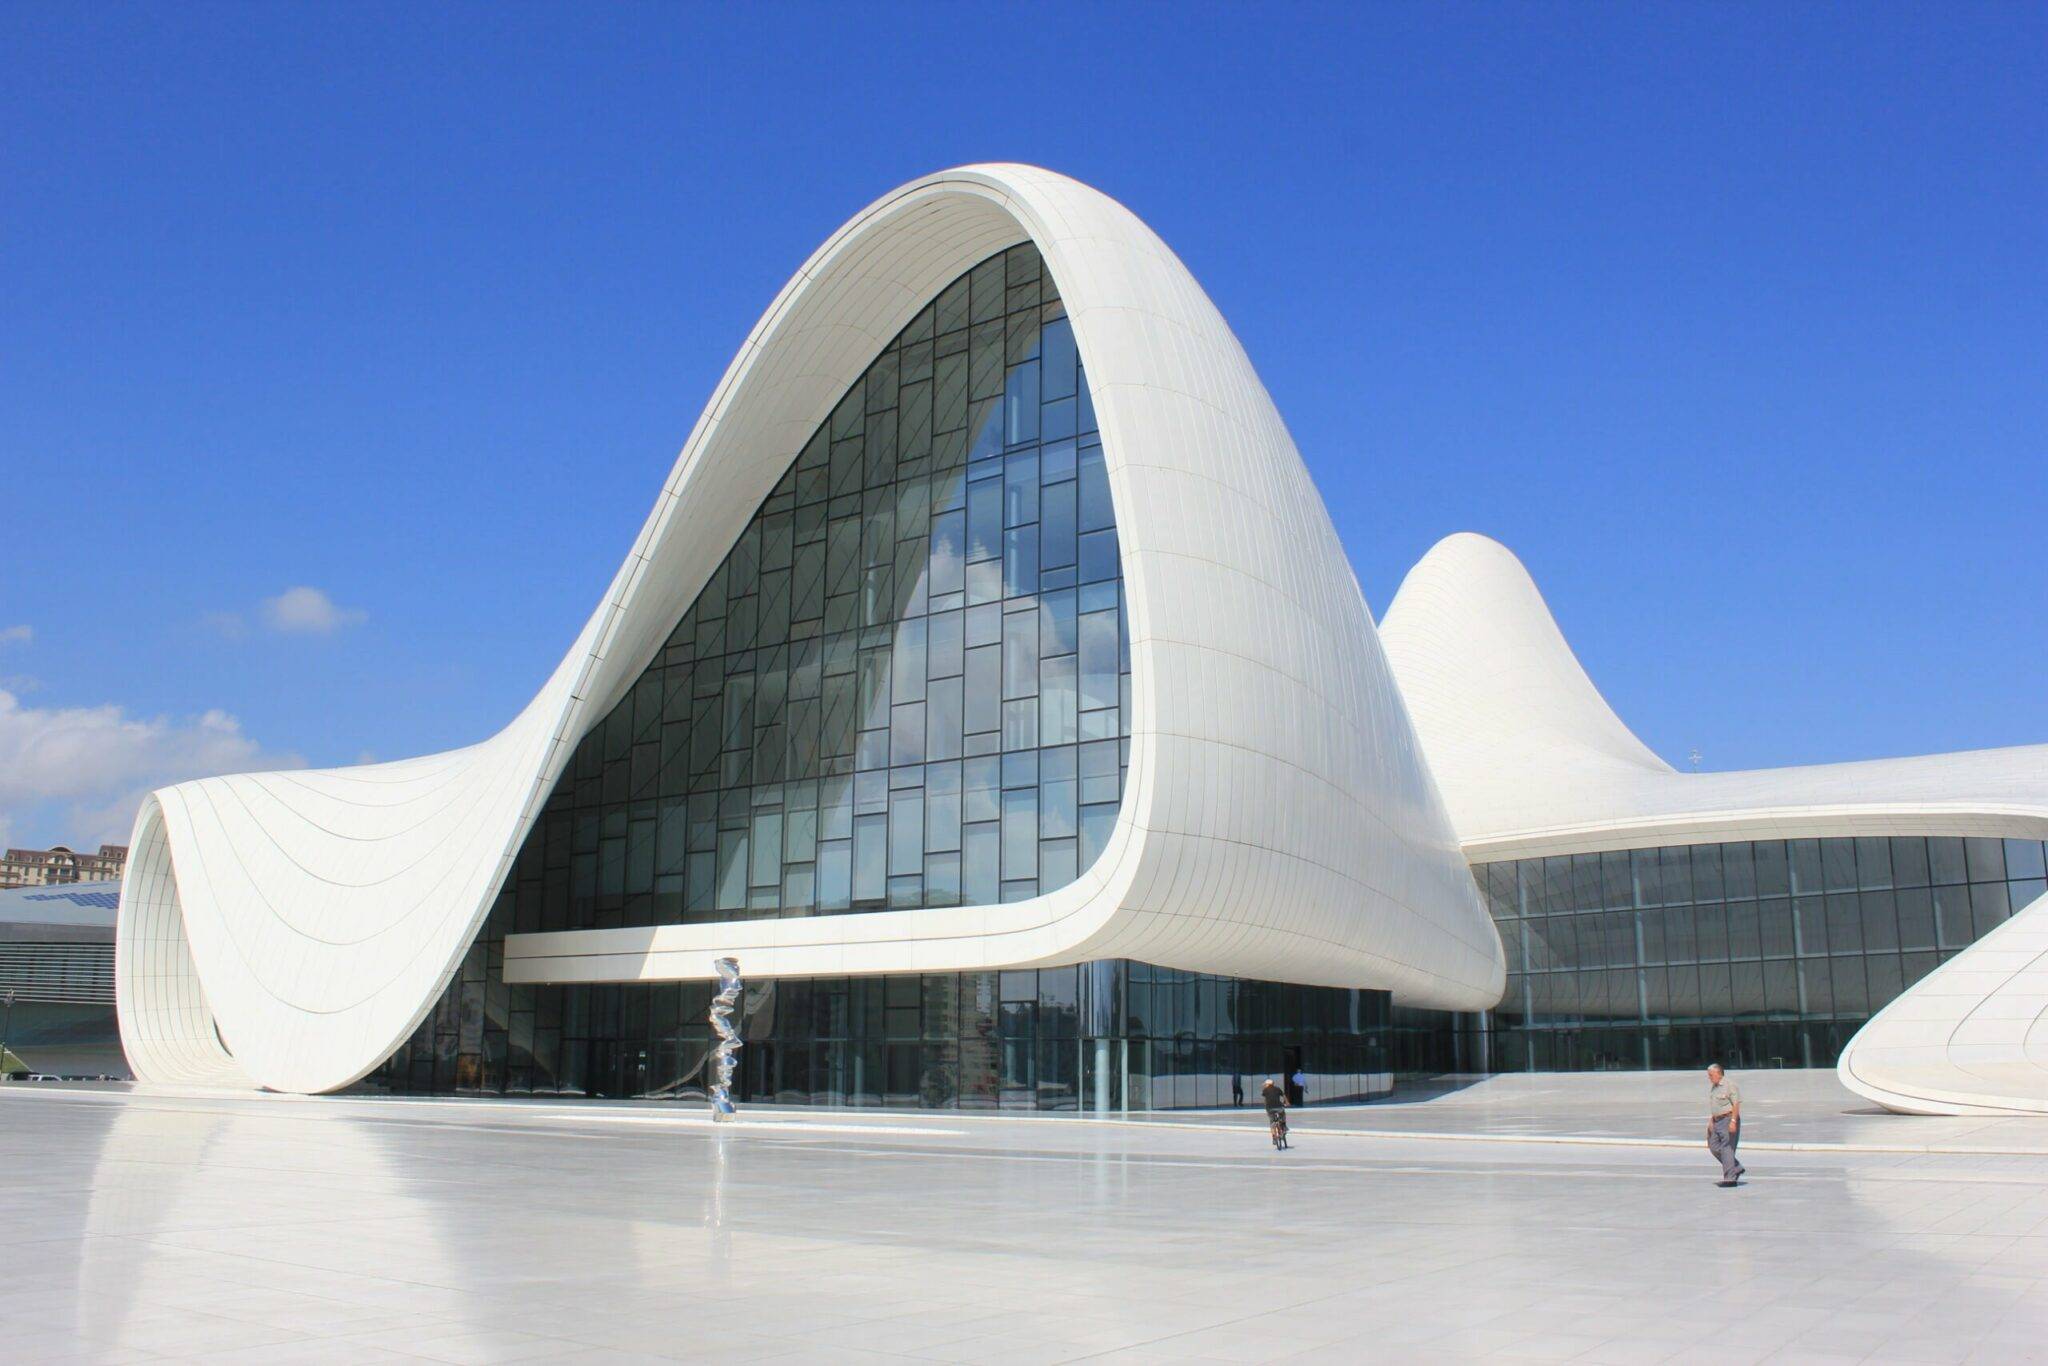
{"x": 1279, "y": 820}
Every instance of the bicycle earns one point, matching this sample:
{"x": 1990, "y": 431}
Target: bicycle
{"x": 1279, "y": 1129}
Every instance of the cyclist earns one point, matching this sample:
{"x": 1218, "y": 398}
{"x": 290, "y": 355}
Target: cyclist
{"x": 1276, "y": 1111}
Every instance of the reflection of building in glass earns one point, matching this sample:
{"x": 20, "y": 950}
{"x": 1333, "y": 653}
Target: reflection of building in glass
{"x": 989, "y": 680}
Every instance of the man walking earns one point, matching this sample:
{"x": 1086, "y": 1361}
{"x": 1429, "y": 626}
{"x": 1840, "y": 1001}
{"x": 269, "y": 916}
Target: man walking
{"x": 1724, "y": 1123}
{"x": 1276, "y": 1111}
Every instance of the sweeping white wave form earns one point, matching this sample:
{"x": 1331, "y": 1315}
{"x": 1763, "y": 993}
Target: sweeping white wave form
{"x": 1279, "y": 820}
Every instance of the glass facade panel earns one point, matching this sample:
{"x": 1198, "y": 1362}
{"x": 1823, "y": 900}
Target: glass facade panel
{"x": 1104, "y": 1036}
{"x": 1764, "y": 954}
{"x": 853, "y": 715}
{"x": 902, "y": 600}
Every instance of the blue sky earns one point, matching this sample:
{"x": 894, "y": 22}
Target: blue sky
{"x": 1731, "y": 320}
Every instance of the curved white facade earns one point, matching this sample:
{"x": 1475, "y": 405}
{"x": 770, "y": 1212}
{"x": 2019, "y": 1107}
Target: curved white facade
{"x": 1533, "y": 762}
{"x": 1970, "y": 1038}
{"x": 1279, "y": 821}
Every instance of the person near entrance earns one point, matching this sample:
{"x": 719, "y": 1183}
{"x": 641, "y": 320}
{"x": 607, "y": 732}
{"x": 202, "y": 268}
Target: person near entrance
{"x": 1276, "y": 1111}
{"x": 1297, "y": 1087}
{"x": 1724, "y": 1123}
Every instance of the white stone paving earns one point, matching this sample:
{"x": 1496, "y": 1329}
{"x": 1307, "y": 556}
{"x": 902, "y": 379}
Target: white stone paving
{"x": 146, "y": 1226}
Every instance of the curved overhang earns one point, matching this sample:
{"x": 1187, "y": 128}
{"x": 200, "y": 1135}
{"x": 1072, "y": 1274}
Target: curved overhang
{"x": 1279, "y": 820}
{"x": 1532, "y": 761}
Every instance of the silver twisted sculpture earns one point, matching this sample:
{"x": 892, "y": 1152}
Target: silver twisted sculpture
{"x": 722, "y": 1060}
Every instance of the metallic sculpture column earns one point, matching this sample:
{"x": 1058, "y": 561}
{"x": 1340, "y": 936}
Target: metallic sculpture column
{"x": 722, "y": 1060}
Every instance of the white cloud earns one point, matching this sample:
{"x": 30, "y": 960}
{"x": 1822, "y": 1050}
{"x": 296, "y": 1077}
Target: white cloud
{"x": 308, "y": 611}
{"x": 17, "y": 635}
{"x": 78, "y": 774}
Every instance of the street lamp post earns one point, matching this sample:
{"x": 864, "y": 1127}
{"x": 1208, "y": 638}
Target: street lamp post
{"x": 6, "y": 1029}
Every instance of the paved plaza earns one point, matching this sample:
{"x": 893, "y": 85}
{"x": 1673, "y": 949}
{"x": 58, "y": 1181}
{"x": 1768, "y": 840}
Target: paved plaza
{"x": 153, "y": 1225}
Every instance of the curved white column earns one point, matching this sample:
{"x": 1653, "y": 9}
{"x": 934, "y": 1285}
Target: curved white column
{"x": 167, "y": 1027}
{"x": 1279, "y": 820}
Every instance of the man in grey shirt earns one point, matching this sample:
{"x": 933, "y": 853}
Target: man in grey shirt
{"x": 1724, "y": 1123}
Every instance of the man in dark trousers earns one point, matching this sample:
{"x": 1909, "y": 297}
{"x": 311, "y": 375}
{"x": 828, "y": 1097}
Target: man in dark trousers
{"x": 1724, "y": 1123}
{"x": 1275, "y": 1101}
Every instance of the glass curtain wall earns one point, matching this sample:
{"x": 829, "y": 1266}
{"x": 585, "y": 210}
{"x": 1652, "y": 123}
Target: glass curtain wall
{"x": 1104, "y": 1036}
{"x": 1764, "y": 954}
{"x": 907, "y": 685}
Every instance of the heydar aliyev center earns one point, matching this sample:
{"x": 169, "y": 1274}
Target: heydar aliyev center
{"x": 989, "y": 680}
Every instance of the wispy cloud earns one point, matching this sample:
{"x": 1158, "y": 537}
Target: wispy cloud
{"x": 230, "y": 625}
{"x": 80, "y": 773}
{"x": 17, "y": 635}
{"x": 308, "y": 611}
{"x": 298, "y": 611}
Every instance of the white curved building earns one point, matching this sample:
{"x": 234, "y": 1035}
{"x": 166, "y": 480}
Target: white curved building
{"x": 1272, "y": 815}
{"x": 989, "y": 680}
{"x": 1909, "y": 887}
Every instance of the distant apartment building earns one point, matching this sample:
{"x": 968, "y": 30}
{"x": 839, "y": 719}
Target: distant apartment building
{"x": 48, "y": 867}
